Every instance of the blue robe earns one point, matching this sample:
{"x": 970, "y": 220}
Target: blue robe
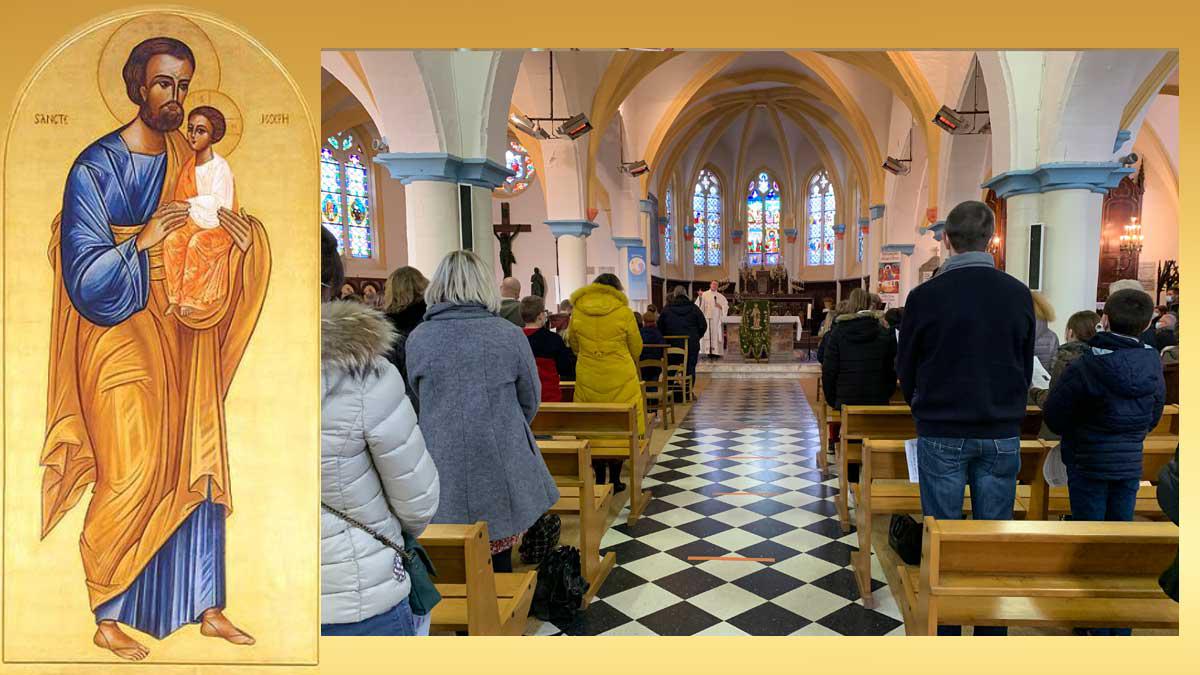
{"x": 107, "y": 283}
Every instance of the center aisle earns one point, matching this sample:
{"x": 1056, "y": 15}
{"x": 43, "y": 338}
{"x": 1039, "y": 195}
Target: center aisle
{"x": 737, "y": 480}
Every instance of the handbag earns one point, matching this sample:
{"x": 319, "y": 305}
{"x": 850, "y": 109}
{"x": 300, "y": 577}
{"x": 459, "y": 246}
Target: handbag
{"x": 540, "y": 539}
{"x": 411, "y": 562}
{"x": 560, "y": 587}
{"x": 904, "y": 536}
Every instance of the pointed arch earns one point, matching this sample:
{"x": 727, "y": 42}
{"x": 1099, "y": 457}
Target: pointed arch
{"x": 821, "y": 201}
{"x": 708, "y": 217}
{"x": 764, "y": 207}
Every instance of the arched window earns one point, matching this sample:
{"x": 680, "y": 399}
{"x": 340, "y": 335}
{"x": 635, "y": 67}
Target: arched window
{"x": 516, "y": 159}
{"x": 862, "y": 237}
{"x": 669, "y": 229}
{"x": 821, "y": 212}
{"x": 762, "y": 221}
{"x": 345, "y": 195}
{"x": 706, "y": 219}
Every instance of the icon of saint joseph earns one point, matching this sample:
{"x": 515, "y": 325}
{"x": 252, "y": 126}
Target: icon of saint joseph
{"x": 136, "y": 397}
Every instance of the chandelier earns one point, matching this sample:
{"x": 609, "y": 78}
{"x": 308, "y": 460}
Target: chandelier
{"x": 1131, "y": 240}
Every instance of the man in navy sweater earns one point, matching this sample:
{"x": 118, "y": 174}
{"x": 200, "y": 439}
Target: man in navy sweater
{"x": 965, "y": 363}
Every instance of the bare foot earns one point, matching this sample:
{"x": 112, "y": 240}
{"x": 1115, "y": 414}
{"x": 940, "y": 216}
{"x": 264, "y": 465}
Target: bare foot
{"x": 186, "y": 311}
{"x": 109, "y": 636}
{"x": 214, "y": 624}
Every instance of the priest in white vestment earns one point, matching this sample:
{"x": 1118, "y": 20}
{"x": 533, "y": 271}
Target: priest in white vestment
{"x": 715, "y": 308}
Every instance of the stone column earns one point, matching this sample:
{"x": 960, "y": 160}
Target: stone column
{"x": 571, "y": 240}
{"x": 1071, "y": 255}
{"x": 1068, "y": 198}
{"x": 433, "y": 207}
{"x": 432, "y": 223}
{"x": 623, "y": 244}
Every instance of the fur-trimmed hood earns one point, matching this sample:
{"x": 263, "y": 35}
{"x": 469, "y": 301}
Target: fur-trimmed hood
{"x": 353, "y": 335}
{"x": 876, "y": 314}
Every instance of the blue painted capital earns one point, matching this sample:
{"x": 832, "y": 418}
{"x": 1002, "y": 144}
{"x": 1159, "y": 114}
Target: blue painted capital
{"x": 1098, "y": 177}
{"x": 840, "y": 228}
{"x": 876, "y": 212}
{"x": 863, "y": 222}
{"x": 571, "y": 228}
{"x": 905, "y": 249}
{"x": 627, "y": 242}
{"x": 443, "y": 167}
{"x": 646, "y": 206}
{"x": 483, "y": 173}
{"x": 663, "y": 220}
{"x": 1123, "y": 136}
{"x": 791, "y": 232}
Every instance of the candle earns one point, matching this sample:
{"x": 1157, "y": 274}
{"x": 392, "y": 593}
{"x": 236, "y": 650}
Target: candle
{"x": 809, "y": 309}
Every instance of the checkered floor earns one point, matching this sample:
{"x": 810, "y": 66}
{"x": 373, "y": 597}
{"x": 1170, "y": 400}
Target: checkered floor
{"x": 738, "y": 479}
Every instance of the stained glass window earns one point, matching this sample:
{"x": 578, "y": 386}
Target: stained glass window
{"x": 345, "y": 195}
{"x": 762, "y": 221}
{"x": 862, "y": 243}
{"x": 821, "y": 212}
{"x": 516, "y": 159}
{"x": 706, "y": 219}
{"x": 669, "y": 230}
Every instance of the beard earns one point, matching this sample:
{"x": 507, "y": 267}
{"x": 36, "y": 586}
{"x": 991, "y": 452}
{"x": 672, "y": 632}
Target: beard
{"x": 167, "y": 117}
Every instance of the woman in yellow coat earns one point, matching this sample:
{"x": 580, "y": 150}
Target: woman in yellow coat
{"x": 605, "y": 336}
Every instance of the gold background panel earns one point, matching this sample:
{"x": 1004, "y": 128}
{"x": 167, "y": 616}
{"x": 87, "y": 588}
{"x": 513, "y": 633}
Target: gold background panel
{"x": 272, "y": 409}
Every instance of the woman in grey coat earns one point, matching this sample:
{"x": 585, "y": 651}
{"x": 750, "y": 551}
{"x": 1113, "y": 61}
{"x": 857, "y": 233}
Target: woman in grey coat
{"x": 475, "y": 377}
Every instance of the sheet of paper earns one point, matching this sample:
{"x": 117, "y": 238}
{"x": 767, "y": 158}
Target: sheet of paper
{"x": 1054, "y": 470}
{"x": 1041, "y": 378}
{"x": 910, "y": 453}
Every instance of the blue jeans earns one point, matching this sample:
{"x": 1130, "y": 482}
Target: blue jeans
{"x": 397, "y": 621}
{"x": 946, "y": 466}
{"x": 1101, "y": 500}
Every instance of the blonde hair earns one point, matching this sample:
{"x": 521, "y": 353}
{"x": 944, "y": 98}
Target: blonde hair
{"x": 405, "y": 286}
{"x": 1042, "y": 308}
{"x": 462, "y": 279}
{"x": 859, "y": 300}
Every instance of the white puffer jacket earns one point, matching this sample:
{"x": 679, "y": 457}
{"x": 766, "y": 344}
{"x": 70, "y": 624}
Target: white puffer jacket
{"x": 374, "y": 465}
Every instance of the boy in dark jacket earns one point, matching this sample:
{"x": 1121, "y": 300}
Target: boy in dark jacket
{"x": 555, "y": 360}
{"x": 1105, "y": 404}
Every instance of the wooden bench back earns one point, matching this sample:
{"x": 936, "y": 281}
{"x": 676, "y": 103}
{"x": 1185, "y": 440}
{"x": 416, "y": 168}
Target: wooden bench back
{"x": 569, "y": 462}
{"x": 586, "y": 420}
{"x": 1157, "y": 452}
{"x": 1169, "y": 424}
{"x": 885, "y": 460}
{"x": 1032, "y": 547}
{"x": 896, "y": 422}
{"x": 461, "y": 555}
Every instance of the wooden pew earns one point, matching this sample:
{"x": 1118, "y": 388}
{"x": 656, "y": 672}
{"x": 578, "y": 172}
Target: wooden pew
{"x": 678, "y": 376}
{"x": 656, "y": 393}
{"x": 474, "y": 598}
{"x": 1169, "y": 424}
{"x": 884, "y": 489}
{"x": 1157, "y": 452}
{"x": 889, "y": 422}
{"x": 1046, "y": 574}
{"x": 613, "y": 431}
{"x": 570, "y": 464}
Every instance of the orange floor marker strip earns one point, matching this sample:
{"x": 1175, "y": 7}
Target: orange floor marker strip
{"x": 745, "y": 492}
{"x": 730, "y": 558}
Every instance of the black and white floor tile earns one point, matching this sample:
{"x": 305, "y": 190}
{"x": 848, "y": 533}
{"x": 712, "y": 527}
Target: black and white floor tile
{"x": 738, "y": 480}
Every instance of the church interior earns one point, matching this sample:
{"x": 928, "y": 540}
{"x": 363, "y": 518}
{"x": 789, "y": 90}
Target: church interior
{"x": 780, "y": 182}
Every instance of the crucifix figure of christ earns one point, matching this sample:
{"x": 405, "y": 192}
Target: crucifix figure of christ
{"x": 506, "y": 231}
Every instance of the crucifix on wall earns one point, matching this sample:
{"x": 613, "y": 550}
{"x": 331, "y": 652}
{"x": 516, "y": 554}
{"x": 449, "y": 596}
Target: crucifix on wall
{"x": 506, "y": 231}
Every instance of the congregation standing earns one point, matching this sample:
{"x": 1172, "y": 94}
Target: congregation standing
{"x": 962, "y": 352}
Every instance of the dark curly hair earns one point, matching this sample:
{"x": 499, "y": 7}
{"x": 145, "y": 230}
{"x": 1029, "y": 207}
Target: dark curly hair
{"x": 134, "y": 71}
{"x": 214, "y": 117}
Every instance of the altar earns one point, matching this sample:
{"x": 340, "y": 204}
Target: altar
{"x": 785, "y": 332}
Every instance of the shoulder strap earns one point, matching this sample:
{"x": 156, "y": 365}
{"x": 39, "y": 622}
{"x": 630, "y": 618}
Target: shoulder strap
{"x": 354, "y": 523}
